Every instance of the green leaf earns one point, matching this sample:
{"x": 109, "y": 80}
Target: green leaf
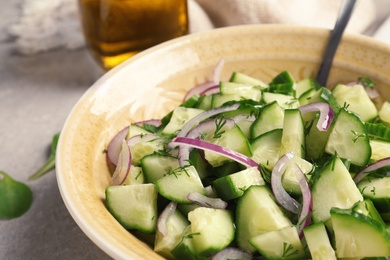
{"x": 15, "y": 197}
{"x": 50, "y": 163}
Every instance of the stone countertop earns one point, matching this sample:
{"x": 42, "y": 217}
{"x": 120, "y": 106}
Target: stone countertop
{"x": 36, "y": 95}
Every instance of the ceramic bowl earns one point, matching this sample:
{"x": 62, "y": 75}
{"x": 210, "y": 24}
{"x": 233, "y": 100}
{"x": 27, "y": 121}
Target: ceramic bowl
{"x": 153, "y": 82}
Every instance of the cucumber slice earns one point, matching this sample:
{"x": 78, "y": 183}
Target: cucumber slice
{"x": 378, "y": 191}
{"x": 234, "y": 185}
{"x": 226, "y": 169}
{"x": 321, "y": 95}
{"x": 189, "y": 103}
{"x": 270, "y": 118}
{"x": 279, "y": 244}
{"x": 304, "y": 99}
{"x": 179, "y": 183}
{"x": 135, "y": 176}
{"x": 357, "y": 235}
{"x": 357, "y": 101}
{"x": 293, "y": 137}
{"x": 379, "y": 149}
{"x": 384, "y": 113}
{"x": 219, "y": 99}
{"x": 282, "y": 88}
{"x": 239, "y": 77}
{"x": 333, "y": 187}
{"x": 348, "y": 139}
{"x": 197, "y": 160}
{"x": 245, "y": 125}
{"x": 176, "y": 225}
{"x": 283, "y": 83}
{"x": 304, "y": 86}
{"x": 257, "y": 213}
{"x": 317, "y": 240}
{"x": 135, "y": 130}
{"x": 144, "y": 148}
{"x": 233, "y": 139}
{"x": 283, "y": 77}
{"x": 378, "y": 131}
{"x": 325, "y": 95}
{"x": 212, "y": 229}
{"x": 185, "y": 248}
{"x": 244, "y": 91}
{"x": 316, "y": 141}
{"x": 367, "y": 208}
{"x": 180, "y": 116}
{"x": 289, "y": 179}
{"x": 204, "y": 102}
{"x": 155, "y": 166}
{"x": 285, "y": 101}
{"x": 266, "y": 148}
{"x": 134, "y": 206}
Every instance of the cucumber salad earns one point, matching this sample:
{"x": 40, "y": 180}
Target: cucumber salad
{"x": 246, "y": 169}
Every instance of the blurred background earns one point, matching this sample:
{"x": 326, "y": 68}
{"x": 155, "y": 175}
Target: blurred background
{"x": 45, "y": 68}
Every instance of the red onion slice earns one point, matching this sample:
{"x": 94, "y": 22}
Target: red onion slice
{"x": 307, "y": 202}
{"x": 371, "y": 167}
{"x": 203, "y": 145}
{"x": 281, "y": 196}
{"x": 203, "y": 116}
{"x": 211, "y": 90}
{"x": 164, "y": 216}
{"x": 208, "y": 126}
{"x": 124, "y": 164}
{"x": 201, "y": 88}
{"x": 204, "y": 201}
{"x": 198, "y": 89}
{"x": 230, "y": 253}
{"x": 326, "y": 113}
{"x": 372, "y": 92}
{"x": 114, "y": 146}
{"x": 217, "y": 71}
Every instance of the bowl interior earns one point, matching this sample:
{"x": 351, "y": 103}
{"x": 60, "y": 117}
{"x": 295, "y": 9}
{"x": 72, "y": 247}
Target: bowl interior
{"x": 154, "y": 82}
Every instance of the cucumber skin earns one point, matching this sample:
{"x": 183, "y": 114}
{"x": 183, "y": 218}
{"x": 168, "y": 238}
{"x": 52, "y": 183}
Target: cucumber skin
{"x": 318, "y": 241}
{"x": 176, "y": 224}
{"x": 378, "y": 131}
{"x": 171, "y": 186}
{"x": 357, "y": 100}
{"x": 243, "y": 230}
{"x": 271, "y": 117}
{"x": 152, "y": 174}
{"x": 233, "y": 186}
{"x": 145, "y": 224}
{"x": 369, "y": 189}
{"x": 354, "y": 146}
{"x": 334, "y": 171}
{"x": 363, "y": 220}
{"x": 202, "y": 229}
{"x": 273, "y": 244}
{"x": 293, "y": 140}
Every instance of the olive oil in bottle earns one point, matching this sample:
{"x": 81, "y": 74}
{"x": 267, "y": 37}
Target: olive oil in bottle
{"x": 115, "y": 30}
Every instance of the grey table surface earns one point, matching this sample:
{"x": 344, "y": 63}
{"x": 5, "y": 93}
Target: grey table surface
{"x": 36, "y": 94}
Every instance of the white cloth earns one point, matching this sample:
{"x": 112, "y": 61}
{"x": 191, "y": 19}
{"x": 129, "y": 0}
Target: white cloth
{"x": 50, "y": 24}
